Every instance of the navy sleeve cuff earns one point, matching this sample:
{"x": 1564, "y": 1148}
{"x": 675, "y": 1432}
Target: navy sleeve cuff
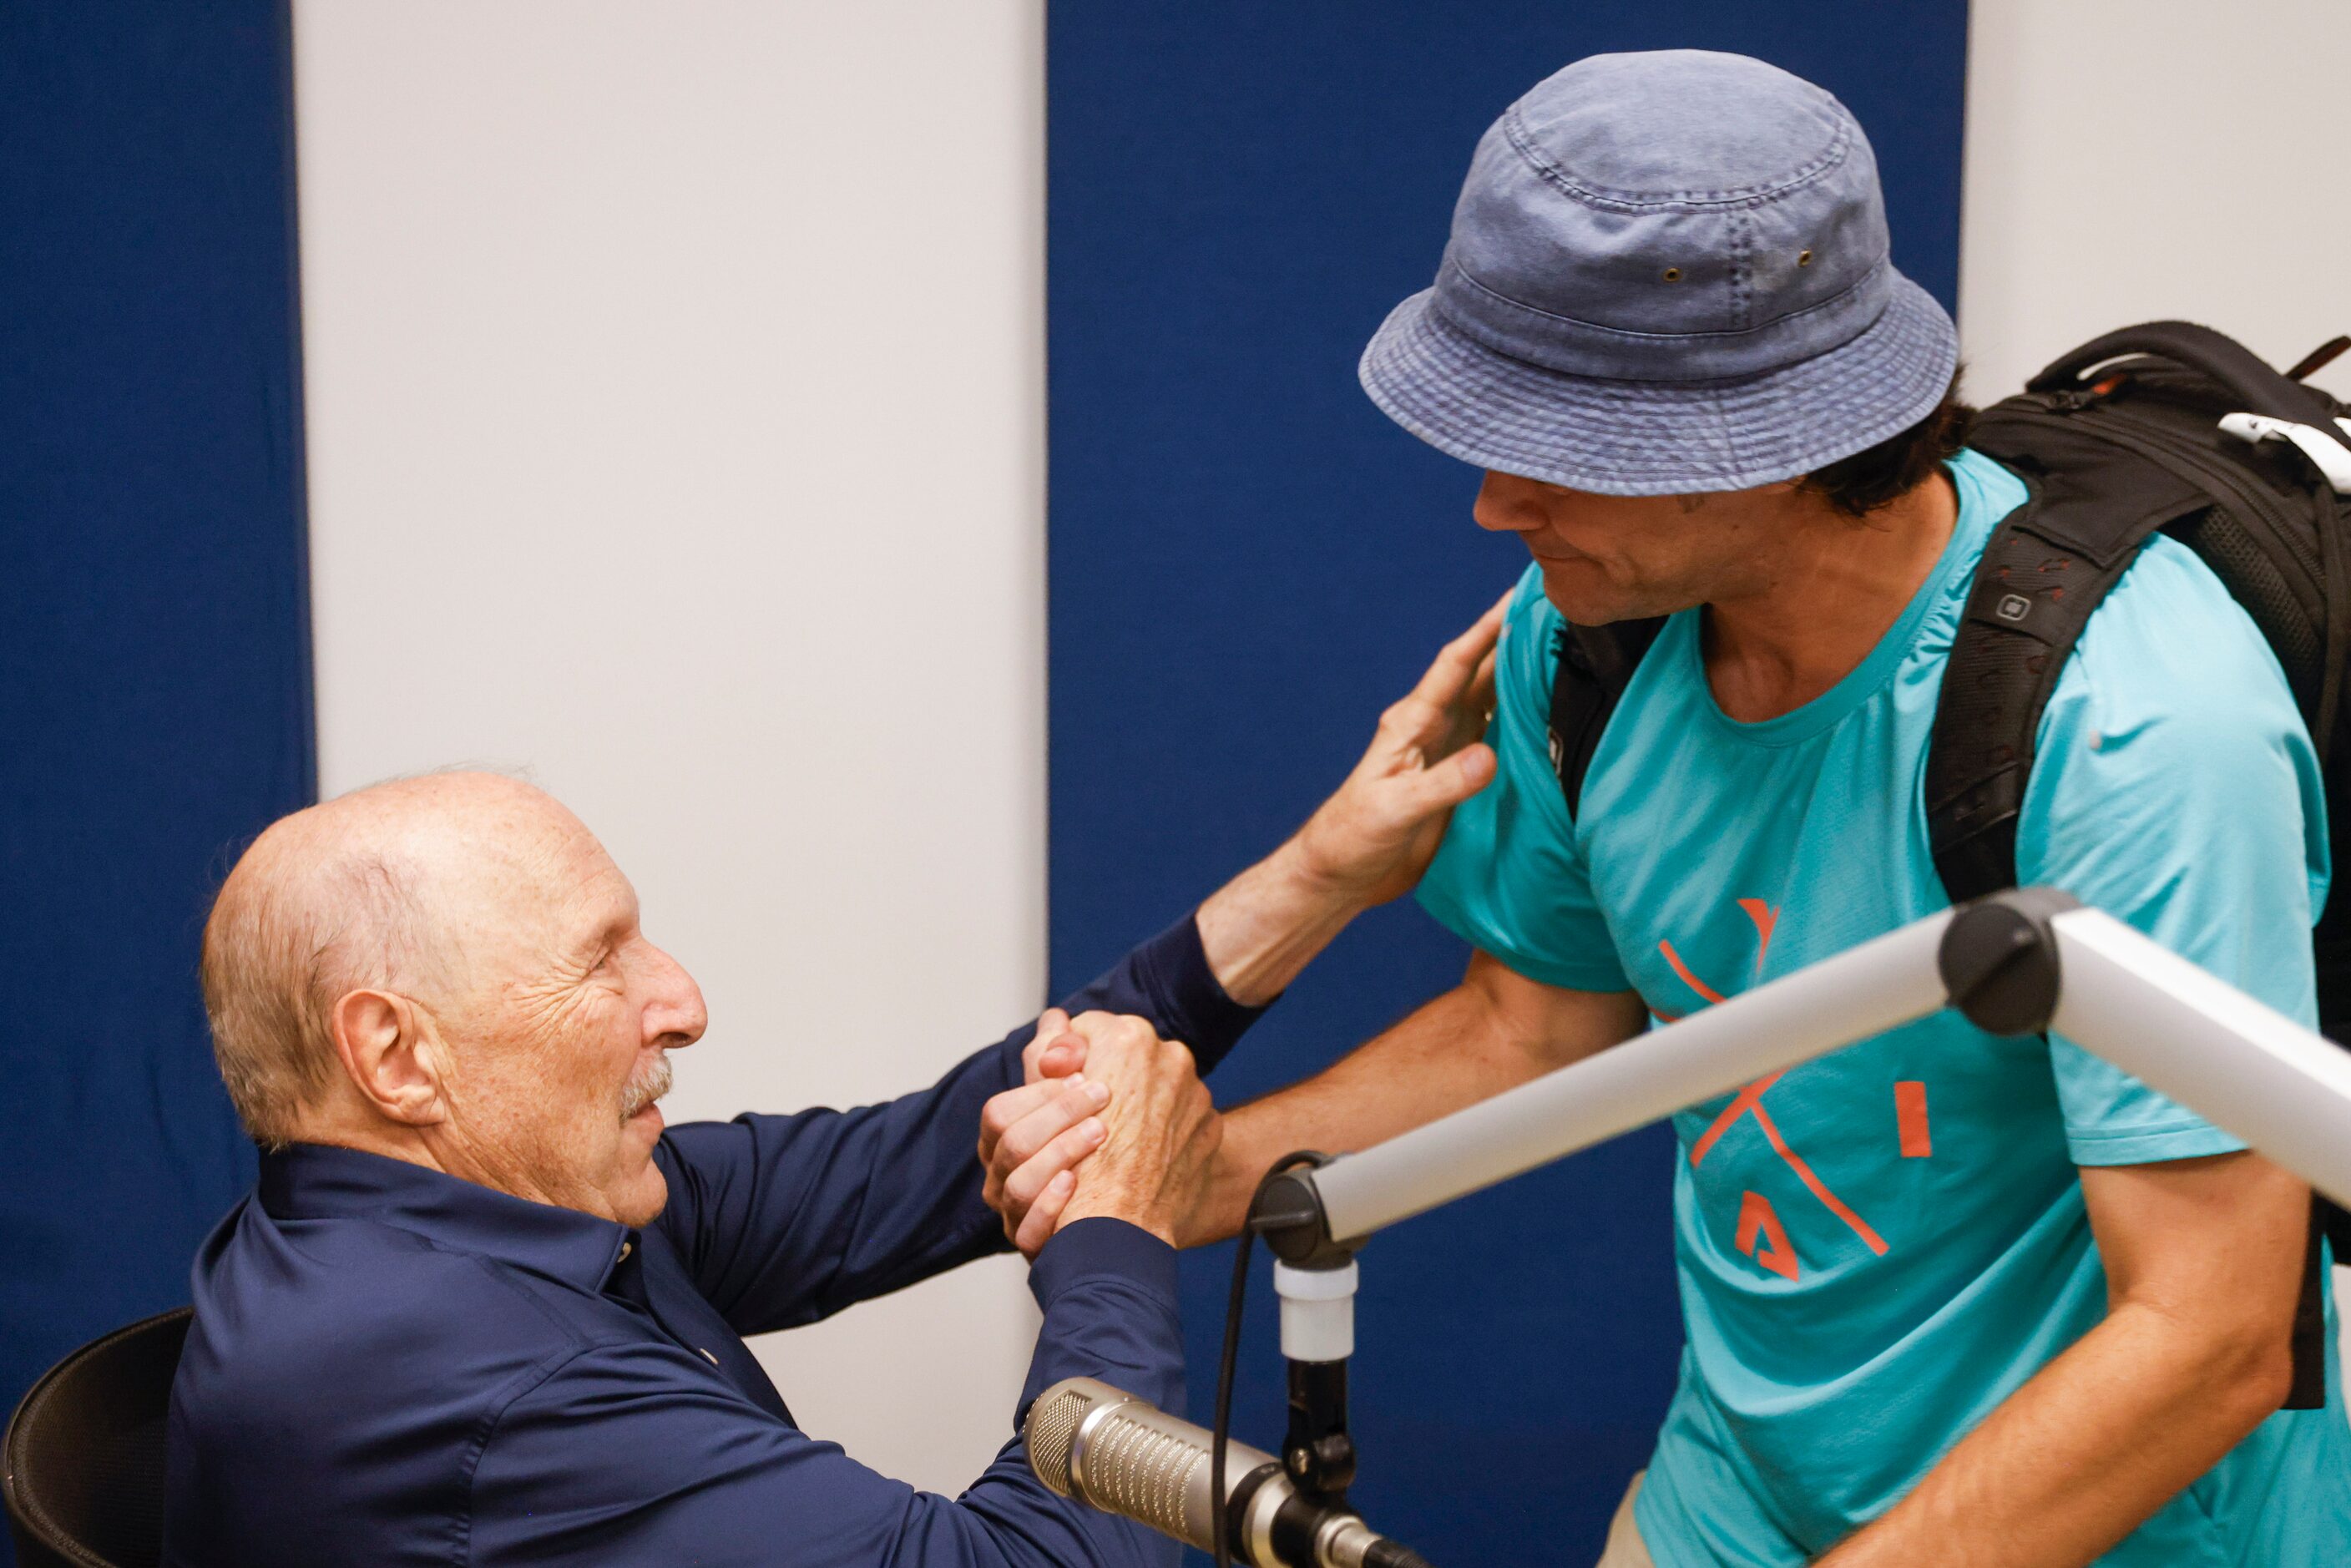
{"x": 1168, "y": 980}
{"x": 1102, "y": 1245}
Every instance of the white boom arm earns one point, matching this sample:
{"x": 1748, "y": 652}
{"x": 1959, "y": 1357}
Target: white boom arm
{"x": 2246, "y": 1068}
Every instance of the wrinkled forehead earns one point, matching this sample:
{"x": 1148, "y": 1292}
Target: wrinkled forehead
{"x": 486, "y": 868}
{"x": 531, "y": 872}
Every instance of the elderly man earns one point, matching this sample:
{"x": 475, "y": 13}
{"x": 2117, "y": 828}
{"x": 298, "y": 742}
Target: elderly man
{"x": 484, "y": 1309}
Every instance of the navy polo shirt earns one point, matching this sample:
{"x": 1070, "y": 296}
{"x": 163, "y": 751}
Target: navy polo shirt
{"x": 392, "y": 1366}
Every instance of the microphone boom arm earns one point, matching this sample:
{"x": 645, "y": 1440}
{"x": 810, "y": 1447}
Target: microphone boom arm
{"x": 2015, "y": 963}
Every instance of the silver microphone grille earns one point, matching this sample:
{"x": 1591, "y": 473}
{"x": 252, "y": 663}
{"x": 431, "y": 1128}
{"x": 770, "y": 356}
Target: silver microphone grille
{"x": 1141, "y": 1473}
{"x": 1052, "y": 1432}
{"x": 1104, "y": 1447}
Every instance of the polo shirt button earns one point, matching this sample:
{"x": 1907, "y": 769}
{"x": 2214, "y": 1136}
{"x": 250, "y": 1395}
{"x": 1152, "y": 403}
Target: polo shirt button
{"x": 627, "y": 1247}
{"x": 710, "y": 1358}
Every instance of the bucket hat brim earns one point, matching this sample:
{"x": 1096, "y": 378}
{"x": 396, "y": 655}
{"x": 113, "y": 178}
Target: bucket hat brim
{"x": 1660, "y": 438}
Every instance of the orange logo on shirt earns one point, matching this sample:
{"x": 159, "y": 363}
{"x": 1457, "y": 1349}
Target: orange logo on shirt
{"x": 1755, "y": 1212}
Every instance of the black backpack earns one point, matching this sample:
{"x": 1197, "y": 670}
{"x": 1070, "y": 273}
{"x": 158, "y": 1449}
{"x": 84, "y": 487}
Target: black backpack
{"x": 2166, "y": 427}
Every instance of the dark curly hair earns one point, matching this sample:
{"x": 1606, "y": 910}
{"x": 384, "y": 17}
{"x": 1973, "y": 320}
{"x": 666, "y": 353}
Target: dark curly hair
{"x": 1876, "y": 475}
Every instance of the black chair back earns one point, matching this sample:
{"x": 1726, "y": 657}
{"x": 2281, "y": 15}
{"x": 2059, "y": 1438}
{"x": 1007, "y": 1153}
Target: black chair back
{"x": 81, "y": 1469}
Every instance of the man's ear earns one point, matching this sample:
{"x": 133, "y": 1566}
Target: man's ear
{"x": 389, "y": 1056}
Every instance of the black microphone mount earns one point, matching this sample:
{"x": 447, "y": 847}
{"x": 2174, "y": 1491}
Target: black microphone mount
{"x": 1316, "y": 1281}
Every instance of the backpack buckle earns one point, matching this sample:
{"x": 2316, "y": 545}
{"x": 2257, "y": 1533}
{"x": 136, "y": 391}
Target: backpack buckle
{"x": 2328, "y": 453}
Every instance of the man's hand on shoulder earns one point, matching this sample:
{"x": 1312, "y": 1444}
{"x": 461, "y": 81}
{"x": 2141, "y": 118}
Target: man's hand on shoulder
{"x": 1376, "y": 835}
{"x": 1373, "y": 838}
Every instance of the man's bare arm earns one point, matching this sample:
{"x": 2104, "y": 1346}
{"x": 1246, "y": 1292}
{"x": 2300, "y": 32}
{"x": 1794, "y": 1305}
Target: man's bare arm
{"x": 1370, "y": 842}
{"x": 1367, "y": 843}
{"x": 2204, "y": 1262}
{"x": 1494, "y": 1031}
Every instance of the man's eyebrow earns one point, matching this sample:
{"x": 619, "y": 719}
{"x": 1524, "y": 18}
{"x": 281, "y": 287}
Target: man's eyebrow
{"x": 610, "y": 929}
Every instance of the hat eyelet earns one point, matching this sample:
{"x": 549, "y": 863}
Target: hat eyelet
{"x": 1803, "y": 258}
{"x": 1673, "y": 274}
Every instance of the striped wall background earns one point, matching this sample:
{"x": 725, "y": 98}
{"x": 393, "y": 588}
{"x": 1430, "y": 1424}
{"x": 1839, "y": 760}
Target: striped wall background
{"x": 663, "y": 408}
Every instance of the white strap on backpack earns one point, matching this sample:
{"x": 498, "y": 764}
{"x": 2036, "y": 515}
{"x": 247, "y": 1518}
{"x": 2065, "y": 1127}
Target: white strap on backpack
{"x": 2330, "y": 454}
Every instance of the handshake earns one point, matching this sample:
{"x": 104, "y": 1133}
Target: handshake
{"x": 1109, "y": 1120}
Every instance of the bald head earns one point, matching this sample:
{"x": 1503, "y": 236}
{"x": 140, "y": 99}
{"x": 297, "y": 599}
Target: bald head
{"x": 375, "y": 889}
{"x": 449, "y": 970}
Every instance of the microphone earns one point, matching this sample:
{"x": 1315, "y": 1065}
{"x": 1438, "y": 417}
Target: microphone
{"x": 1111, "y": 1452}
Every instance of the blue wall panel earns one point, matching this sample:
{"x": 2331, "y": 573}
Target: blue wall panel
{"x": 1248, "y": 561}
{"x": 154, "y": 633}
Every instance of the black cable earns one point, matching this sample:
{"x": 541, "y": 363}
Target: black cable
{"x": 1221, "y": 1430}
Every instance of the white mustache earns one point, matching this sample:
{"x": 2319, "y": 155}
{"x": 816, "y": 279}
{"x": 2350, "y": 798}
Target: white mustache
{"x": 645, "y": 1085}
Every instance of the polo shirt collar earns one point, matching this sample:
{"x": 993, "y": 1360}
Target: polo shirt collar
{"x": 319, "y": 1181}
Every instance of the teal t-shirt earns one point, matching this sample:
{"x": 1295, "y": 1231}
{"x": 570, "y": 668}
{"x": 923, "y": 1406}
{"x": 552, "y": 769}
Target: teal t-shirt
{"x": 1877, "y": 1246}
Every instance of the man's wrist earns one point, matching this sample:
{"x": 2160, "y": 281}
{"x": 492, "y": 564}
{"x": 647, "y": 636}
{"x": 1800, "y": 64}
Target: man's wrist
{"x": 1261, "y": 928}
{"x": 1316, "y": 882}
{"x": 1150, "y": 1218}
{"x": 1223, "y": 1205}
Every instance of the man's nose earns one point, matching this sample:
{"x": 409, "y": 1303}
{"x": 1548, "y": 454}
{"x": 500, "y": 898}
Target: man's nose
{"x": 675, "y": 1014}
{"x": 1507, "y": 504}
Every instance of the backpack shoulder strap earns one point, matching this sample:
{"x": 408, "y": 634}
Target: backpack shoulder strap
{"x": 1591, "y": 668}
{"x": 2094, "y": 501}
{"x": 2048, "y": 567}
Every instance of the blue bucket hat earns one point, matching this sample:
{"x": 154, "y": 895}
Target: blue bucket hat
{"x": 1668, "y": 273}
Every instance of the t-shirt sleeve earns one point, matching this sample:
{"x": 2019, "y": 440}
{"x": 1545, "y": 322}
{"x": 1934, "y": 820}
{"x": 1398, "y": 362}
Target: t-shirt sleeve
{"x": 2174, "y": 788}
{"x": 1510, "y": 878}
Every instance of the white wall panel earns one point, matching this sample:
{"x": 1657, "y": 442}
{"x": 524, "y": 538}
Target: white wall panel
{"x": 2131, "y": 160}
{"x": 676, "y": 432}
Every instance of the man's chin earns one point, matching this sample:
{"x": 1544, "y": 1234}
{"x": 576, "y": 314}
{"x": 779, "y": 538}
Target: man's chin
{"x": 1575, "y": 595}
{"x": 641, "y": 1201}
{"x": 638, "y": 1197}
{"x": 1581, "y": 592}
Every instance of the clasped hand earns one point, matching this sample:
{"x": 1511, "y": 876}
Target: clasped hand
{"x": 1055, "y": 1151}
